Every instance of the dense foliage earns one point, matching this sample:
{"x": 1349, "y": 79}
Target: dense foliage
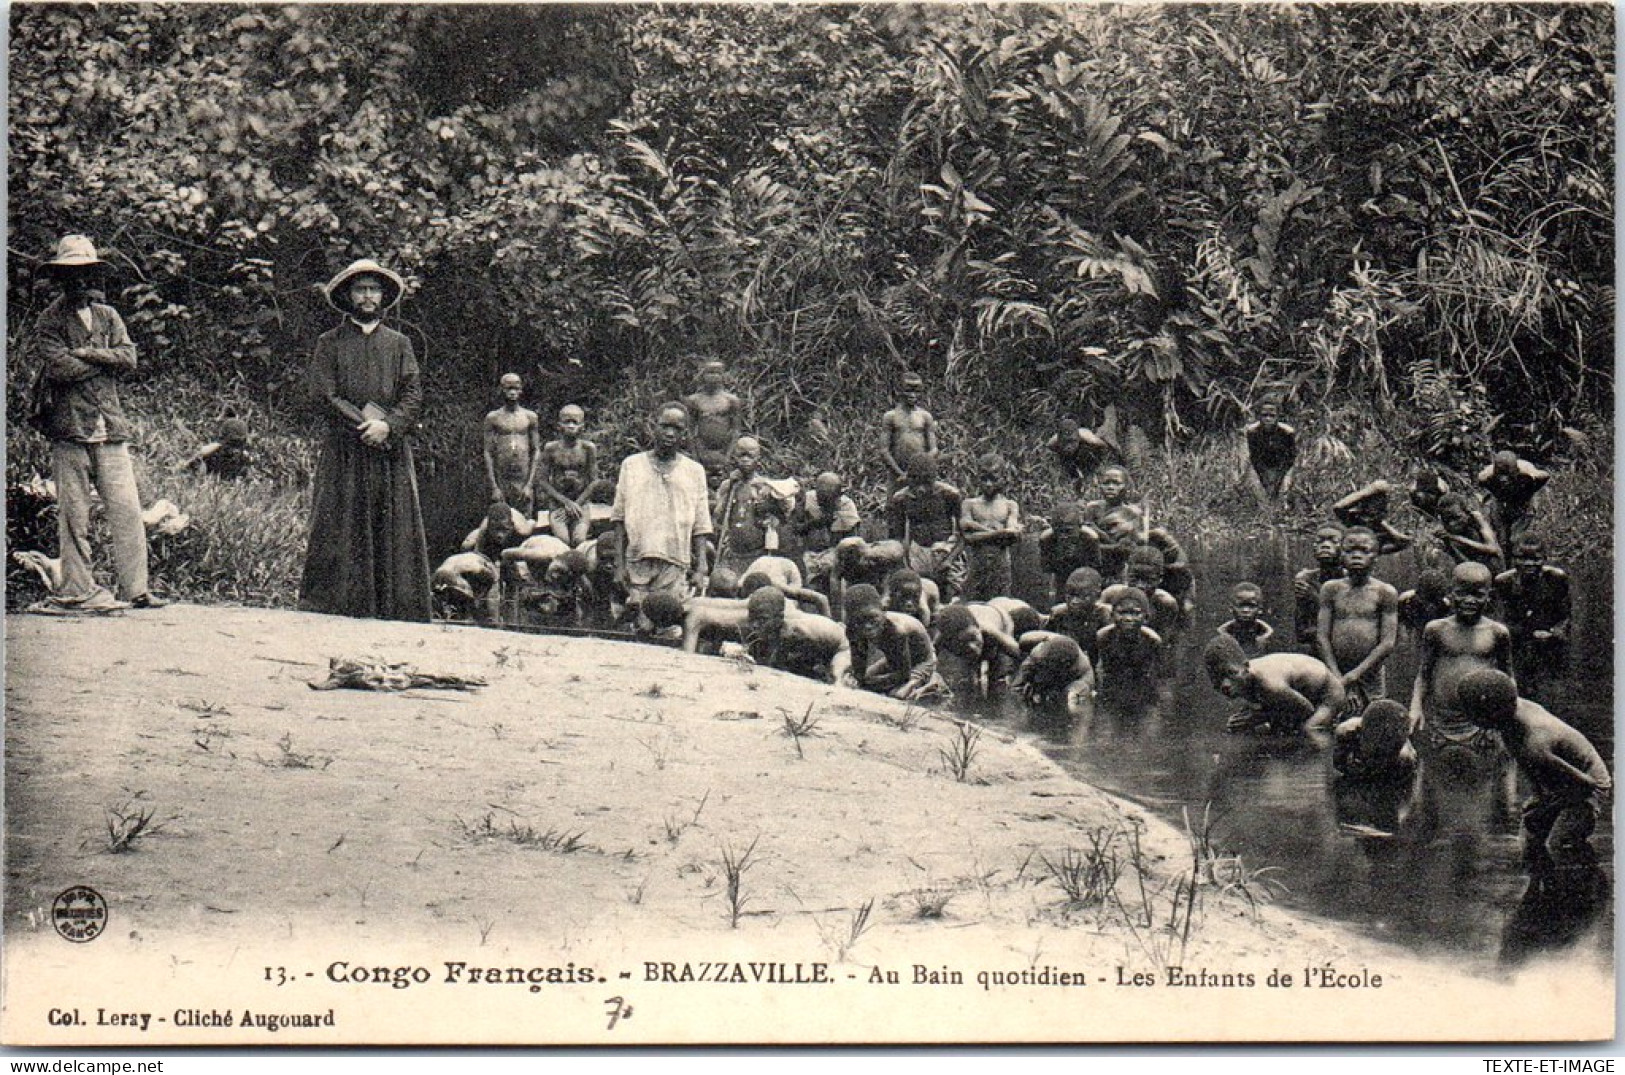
{"x": 1043, "y": 209}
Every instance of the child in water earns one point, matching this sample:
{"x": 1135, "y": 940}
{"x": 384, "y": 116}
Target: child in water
{"x": 1570, "y": 781}
{"x": 1081, "y": 616}
{"x": 1280, "y": 692}
{"x": 1144, "y": 573}
{"x": 1056, "y": 672}
{"x": 1533, "y": 601}
{"x": 1376, "y": 768}
{"x": 1428, "y": 602}
{"x": 1452, "y": 649}
{"x": 1066, "y": 545}
{"x": 1246, "y": 624}
{"x": 1359, "y": 620}
{"x": 907, "y": 592}
{"x": 1376, "y": 744}
{"x": 1127, "y": 653}
{"x": 1306, "y": 584}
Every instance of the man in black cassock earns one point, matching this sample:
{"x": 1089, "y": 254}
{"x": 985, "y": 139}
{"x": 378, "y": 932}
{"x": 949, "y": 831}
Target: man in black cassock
{"x": 367, "y": 554}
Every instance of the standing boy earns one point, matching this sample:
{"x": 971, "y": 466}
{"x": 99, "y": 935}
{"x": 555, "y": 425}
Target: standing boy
{"x": 1452, "y": 648}
{"x": 1532, "y": 599}
{"x": 1119, "y": 522}
{"x": 1306, "y": 585}
{"x": 750, "y": 513}
{"x": 1359, "y": 621}
{"x": 911, "y": 432}
{"x": 719, "y": 419}
{"x": 663, "y": 515}
{"x": 925, "y": 516}
{"x": 513, "y": 441}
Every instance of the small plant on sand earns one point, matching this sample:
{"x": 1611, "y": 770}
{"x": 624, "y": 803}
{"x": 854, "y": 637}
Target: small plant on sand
{"x": 800, "y": 727}
{"x": 657, "y": 751}
{"x": 653, "y": 690}
{"x": 1163, "y": 937}
{"x": 1227, "y": 872}
{"x": 734, "y": 865}
{"x": 128, "y": 822}
{"x": 289, "y": 758}
{"x": 843, "y": 935}
{"x": 676, "y": 826}
{"x": 1088, "y": 876}
{"x": 560, "y": 841}
{"x": 960, "y": 753}
{"x": 858, "y": 926}
{"x": 208, "y": 735}
{"x": 906, "y": 721}
{"x": 932, "y": 903}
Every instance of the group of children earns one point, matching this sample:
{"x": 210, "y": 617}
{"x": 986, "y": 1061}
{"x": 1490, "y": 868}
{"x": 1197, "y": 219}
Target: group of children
{"x": 799, "y": 583}
{"x": 1471, "y": 668}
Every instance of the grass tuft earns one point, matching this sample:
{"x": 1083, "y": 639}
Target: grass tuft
{"x": 960, "y": 753}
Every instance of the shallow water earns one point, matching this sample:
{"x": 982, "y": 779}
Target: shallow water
{"x": 1448, "y": 884}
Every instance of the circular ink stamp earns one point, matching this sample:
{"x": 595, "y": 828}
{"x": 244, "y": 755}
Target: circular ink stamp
{"x": 79, "y": 914}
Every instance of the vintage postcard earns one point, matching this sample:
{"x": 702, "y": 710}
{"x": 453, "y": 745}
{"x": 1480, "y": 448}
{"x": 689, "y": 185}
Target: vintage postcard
{"x": 624, "y": 525}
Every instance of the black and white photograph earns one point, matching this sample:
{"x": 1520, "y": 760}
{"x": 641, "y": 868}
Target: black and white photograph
{"x": 776, "y": 524}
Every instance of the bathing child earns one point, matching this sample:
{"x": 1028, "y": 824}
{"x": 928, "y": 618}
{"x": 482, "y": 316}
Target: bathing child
{"x": 1359, "y": 620}
{"x": 1246, "y": 624}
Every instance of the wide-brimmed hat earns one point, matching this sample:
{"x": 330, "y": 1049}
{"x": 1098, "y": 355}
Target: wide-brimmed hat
{"x": 74, "y": 252}
{"x": 338, "y": 288}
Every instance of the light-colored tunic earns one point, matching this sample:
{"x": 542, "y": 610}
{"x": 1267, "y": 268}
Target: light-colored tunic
{"x": 662, "y": 506}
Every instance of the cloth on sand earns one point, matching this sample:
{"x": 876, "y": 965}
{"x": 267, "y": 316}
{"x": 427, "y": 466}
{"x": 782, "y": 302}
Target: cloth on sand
{"x": 371, "y": 674}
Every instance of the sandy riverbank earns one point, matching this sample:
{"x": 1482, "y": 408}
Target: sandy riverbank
{"x": 576, "y": 816}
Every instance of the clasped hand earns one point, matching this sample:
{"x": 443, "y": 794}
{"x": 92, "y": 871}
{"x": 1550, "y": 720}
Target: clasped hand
{"x": 374, "y": 433}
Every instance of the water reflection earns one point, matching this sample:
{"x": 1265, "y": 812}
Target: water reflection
{"x": 1433, "y": 863}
